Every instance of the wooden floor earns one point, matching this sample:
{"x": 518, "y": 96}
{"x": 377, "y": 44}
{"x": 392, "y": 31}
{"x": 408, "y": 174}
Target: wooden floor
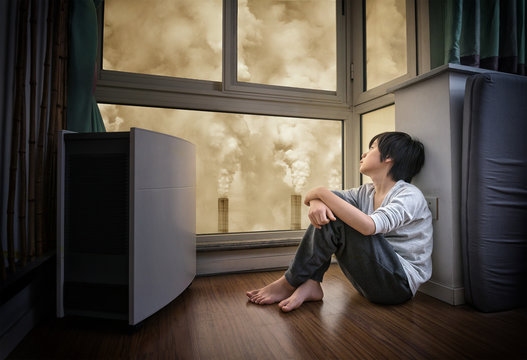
{"x": 213, "y": 320}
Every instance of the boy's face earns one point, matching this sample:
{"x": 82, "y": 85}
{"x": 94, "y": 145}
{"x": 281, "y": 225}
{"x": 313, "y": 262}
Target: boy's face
{"x": 371, "y": 160}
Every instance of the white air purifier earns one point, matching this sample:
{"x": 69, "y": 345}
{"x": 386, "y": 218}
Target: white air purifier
{"x": 126, "y": 243}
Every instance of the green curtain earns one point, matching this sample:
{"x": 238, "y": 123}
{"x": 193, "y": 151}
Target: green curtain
{"x": 83, "y": 114}
{"x": 483, "y": 33}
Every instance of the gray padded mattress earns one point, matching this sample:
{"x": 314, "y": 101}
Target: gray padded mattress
{"x": 494, "y": 192}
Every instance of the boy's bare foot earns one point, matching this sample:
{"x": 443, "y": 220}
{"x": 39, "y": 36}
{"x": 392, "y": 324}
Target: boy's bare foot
{"x": 308, "y": 291}
{"x": 274, "y": 292}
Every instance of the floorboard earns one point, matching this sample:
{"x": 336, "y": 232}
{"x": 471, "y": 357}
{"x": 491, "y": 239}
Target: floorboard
{"x": 213, "y": 320}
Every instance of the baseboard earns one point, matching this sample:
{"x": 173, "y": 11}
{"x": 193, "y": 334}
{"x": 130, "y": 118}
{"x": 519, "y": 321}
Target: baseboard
{"x": 233, "y": 261}
{"x": 450, "y": 295}
{"x": 229, "y": 261}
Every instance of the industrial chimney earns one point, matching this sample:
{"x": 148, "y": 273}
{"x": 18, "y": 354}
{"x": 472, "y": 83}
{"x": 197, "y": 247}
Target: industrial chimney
{"x": 296, "y": 209}
{"x": 223, "y": 215}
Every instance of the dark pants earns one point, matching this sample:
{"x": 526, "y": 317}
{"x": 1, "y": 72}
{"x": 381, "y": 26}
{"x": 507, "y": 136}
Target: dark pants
{"x": 369, "y": 262}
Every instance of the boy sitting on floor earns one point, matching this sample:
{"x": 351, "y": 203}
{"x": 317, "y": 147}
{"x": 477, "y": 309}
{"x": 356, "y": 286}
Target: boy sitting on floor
{"x": 380, "y": 233}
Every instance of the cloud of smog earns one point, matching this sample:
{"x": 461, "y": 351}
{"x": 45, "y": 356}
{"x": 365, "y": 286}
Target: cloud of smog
{"x": 227, "y": 142}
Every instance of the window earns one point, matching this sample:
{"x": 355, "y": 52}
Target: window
{"x": 206, "y": 76}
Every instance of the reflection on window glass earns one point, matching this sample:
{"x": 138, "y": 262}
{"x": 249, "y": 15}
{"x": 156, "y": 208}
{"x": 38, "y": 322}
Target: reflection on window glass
{"x": 181, "y": 38}
{"x": 385, "y": 41}
{"x": 373, "y": 123}
{"x": 288, "y": 43}
{"x": 250, "y": 169}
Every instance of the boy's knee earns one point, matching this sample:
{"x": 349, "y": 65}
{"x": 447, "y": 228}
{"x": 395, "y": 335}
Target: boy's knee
{"x": 340, "y": 227}
{"x": 334, "y": 231}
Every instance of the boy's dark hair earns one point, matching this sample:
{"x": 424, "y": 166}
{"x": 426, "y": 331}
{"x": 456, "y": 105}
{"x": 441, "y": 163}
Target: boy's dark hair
{"x": 407, "y": 154}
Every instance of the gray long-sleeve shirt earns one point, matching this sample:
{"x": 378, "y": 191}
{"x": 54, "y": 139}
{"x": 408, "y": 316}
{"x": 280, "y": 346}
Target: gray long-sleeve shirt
{"x": 405, "y": 221}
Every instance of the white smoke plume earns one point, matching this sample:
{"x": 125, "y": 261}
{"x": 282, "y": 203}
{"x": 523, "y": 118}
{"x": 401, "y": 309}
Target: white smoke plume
{"x": 293, "y": 152}
{"x": 296, "y": 166}
{"x": 299, "y": 173}
{"x": 224, "y": 183}
{"x": 227, "y": 138}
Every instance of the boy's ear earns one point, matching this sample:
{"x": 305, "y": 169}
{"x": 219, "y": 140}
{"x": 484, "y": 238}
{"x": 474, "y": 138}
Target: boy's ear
{"x": 388, "y": 160}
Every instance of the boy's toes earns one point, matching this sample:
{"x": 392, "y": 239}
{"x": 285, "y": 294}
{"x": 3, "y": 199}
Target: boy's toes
{"x": 251, "y": 293}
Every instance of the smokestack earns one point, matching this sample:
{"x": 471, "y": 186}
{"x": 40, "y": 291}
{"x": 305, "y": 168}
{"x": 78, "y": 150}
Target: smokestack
{"x": 223, "y": 215}
{"x": 296, "y": 208}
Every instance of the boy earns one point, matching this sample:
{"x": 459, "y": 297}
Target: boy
{"x": 381, "y": 233}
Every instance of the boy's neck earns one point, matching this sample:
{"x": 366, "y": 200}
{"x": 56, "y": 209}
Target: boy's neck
{"x": 383, "y": 185}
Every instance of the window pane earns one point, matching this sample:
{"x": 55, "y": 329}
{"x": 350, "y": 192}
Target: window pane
{"x": 258, "y": 163}
{"x": 288, "y": 43}
{"x": 181, "y": 38}
{"x": 373, "y": 123}
{"x": 385, "y": 41}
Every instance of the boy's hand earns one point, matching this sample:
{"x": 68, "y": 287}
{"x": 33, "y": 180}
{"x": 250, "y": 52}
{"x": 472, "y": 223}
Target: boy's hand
{"x": 319, "y": 214}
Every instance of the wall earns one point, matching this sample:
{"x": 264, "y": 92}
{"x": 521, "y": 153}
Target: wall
{"x": 430, "y": 107}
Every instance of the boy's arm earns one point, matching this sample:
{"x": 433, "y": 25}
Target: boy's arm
{"x": 342, "y": 209}
{"x": 319, "y": 213}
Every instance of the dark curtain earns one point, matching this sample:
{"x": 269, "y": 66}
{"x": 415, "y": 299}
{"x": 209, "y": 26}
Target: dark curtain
{"x": 489, "y": 34}
{"x": 34, "y": 55}
{"x": 83, "y": 112}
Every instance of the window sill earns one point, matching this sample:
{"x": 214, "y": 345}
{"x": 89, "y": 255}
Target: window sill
{"x": 245, "y": 244}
